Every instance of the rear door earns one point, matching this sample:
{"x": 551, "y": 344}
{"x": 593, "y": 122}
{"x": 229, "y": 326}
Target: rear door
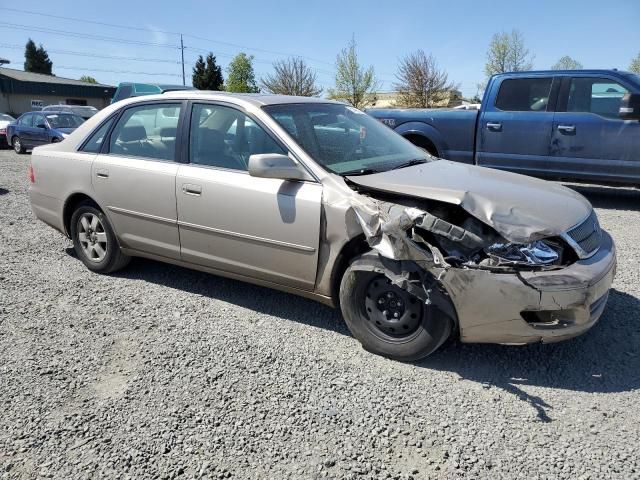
{"x": 25, "y": 130}
{"x": 515, "y": 129}
{"x": 264, "y": 228}
{"x": 134, "y": 178}
{"x": 589, "y": 140}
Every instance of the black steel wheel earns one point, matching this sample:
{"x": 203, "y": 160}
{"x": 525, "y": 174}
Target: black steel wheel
{"x": 388, "y": 320}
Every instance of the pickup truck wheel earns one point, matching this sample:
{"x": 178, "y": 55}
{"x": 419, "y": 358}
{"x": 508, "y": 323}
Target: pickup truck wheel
{"x": 388, "y": 320}
{"x": 17, "y": 145}
{"x": 94, "y": 240}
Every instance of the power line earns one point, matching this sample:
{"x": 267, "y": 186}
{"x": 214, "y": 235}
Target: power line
{"x": 84, "y": 20}
{"x": 117, "y": 71}
{"x": 66, "y": 33}
{"x": 95, "y": 55}
{"x": 196, "y": 37}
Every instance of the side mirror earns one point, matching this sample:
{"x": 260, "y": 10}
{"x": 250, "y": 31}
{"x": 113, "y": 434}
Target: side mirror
{"x": 275, "y": 165}
{"x": 41, "y": 125}
{"x": 630, "y": 107}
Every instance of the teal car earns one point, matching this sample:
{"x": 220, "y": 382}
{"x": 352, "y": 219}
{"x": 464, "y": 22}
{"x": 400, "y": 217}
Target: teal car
{"x": 129, "y": 89}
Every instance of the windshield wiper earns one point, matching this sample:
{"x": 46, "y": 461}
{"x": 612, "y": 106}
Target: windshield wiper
{"x": 410, "y": 163}
{"x": 360, "y": 171}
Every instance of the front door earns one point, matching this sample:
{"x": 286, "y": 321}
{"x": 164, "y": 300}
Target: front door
{"x": 134, "y": 179}
{"x": 40, "y": 130}
{"x": 263, "y": 228}
{"x": 590, "y": 141}
{"x": 514, "y": 133}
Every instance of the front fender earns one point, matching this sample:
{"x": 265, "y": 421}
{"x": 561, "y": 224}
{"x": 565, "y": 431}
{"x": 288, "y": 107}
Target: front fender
{"x": 427, "y": 131}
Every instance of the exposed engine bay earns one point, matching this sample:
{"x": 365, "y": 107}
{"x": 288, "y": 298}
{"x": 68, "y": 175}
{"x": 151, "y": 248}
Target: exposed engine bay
{"x": 445, "y": 235}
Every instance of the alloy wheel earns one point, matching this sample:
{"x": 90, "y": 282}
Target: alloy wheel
{"x": 92, "y": 237}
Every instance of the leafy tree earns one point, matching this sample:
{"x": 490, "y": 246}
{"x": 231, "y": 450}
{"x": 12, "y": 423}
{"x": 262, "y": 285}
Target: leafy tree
{"x": 207, "y": 75}
{"x": 88, "y": 79}
{"x": 36, "y": 59}
{"x": 354, "y": 84}
{"x": 567, "y": 63}
{"x": 291, "y": 77}
{"x": 507, "y": 53}
{"x": 240, "y": 75}
{"x": 634, "y": 66}
{"x": 421, "y": 82}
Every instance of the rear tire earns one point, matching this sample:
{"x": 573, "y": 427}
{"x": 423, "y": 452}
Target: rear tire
{"x": 388, "y": 320}
{"x": 94, "y": 240}
{"x": 16, "y": 143}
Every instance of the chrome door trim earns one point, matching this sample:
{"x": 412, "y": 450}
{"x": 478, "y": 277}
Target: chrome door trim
{"x": 228, "y": 233}
{"x": 147, "y": 216}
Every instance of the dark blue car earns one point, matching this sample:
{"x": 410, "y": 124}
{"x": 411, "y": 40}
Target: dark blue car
{"x": 39, "y": 128}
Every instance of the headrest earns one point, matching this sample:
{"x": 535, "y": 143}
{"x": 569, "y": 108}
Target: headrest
{"x": 133, "y": 133}
{"x": 168, "y": 132}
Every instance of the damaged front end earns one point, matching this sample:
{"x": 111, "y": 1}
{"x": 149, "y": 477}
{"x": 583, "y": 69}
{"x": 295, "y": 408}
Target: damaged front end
{"x": 497, "y": 290}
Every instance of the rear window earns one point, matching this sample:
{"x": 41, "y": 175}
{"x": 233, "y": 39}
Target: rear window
{"x": 124, "y": 91}
{"x": 524, "y": 95}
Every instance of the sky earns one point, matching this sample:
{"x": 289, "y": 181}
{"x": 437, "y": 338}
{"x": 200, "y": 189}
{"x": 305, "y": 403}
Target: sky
{"x": 598, "y": 34}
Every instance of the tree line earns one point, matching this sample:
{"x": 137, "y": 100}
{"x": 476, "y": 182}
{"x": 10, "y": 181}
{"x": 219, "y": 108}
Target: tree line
{"x": 420, "y": 81}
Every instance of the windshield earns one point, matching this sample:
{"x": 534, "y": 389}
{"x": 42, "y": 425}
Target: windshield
{"x": 343, "y": 139}
{"x": 64, "y": 120}
{"x": 6, "y": 118}
{"x": 85, "y": 112}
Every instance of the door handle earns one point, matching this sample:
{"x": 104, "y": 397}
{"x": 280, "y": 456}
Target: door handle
{"x": 495, "y": 127}
{"x": 191, "y": 189}
{"x": 567, "y": 128}
{"x": 102, "y": 173}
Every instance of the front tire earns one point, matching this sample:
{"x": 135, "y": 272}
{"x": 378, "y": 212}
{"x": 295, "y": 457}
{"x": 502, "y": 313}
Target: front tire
{"x": 388, "y": 320}
{"x": 18, "y": 147}
{"x": 94, "y": 241}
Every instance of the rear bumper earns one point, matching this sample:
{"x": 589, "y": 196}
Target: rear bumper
{"x": 533, "y": 306}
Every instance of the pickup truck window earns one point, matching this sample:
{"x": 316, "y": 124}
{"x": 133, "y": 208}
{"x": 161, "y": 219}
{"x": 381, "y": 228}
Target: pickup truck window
{"x": 524, "y": 94}
{"x": 595, "y": 95}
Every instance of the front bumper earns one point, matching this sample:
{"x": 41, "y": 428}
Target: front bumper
{"x": 530, "y": 307}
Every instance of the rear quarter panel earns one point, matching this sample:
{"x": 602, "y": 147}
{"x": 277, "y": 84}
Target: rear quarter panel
{"x": 58, "y": 175}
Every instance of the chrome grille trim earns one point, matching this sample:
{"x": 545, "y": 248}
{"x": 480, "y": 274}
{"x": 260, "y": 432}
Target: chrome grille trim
{"x": 586, "y": 237}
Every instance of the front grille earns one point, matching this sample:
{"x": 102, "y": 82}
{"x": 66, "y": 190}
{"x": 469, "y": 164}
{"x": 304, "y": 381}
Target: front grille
{"x": 586, "y": 236}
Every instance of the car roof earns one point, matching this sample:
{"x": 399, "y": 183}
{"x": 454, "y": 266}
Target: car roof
{"x": 257, "y": 99}
{"x": 568, "y": 72}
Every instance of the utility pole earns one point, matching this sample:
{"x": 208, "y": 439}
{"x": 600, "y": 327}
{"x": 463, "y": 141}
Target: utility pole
{"x": 182, "y": 53}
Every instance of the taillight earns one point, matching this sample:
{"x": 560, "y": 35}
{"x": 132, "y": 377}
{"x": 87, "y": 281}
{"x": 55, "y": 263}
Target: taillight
{"x": 32, "y": 177}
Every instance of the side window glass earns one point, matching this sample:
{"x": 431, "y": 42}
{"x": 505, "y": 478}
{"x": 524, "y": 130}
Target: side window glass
{"x": 225, "y": 137}
{"x": 147, "y": 131}
{"x": 26, "y": 120}
{"x": 595, "y": 95}
{"x": 94, "y": 144}
{"x": 524, "y": 95}
{"x": 38, "y": 120}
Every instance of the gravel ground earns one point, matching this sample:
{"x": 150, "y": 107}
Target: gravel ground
{"x": 162, "y": 372}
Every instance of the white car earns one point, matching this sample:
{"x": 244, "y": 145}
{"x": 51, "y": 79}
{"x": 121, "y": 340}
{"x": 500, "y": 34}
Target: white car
{"x": 5, "y": 120}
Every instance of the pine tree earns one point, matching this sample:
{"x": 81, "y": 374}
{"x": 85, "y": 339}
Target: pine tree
{"x": 36, "y": 59}
{"x": 207, "y": 75}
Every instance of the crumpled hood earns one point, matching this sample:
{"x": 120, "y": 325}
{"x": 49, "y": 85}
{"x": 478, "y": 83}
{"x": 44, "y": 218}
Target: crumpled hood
{"x": 519, "y": 208}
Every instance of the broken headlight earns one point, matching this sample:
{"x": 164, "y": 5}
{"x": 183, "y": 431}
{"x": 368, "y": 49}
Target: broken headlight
{"x": 534, "y": 253}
